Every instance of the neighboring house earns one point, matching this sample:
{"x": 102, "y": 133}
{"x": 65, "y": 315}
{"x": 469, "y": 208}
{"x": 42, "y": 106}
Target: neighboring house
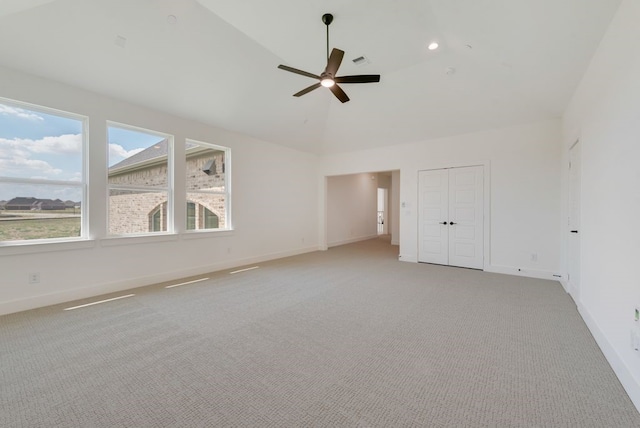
{"x": 34, "y": 204}
{"x": 134, "y": 211}
{"x": 2, "y": 204}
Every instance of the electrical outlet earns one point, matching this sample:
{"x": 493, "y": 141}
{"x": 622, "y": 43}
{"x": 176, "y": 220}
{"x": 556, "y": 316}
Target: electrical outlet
{"x": 34, "y": 278}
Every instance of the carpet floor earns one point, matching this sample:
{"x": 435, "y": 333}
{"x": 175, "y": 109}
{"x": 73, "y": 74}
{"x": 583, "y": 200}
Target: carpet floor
{"x": 349, "y": 337}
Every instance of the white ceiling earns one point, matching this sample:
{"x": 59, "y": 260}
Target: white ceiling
{"x": 515, "y": 61}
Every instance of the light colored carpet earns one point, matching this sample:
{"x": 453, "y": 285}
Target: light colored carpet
{"x": 347, "y": 337}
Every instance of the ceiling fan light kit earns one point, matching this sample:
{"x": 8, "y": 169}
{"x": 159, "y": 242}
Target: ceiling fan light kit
{"x": 328, "y": 78}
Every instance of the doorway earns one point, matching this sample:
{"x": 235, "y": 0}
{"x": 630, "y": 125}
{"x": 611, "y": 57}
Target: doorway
{"x": 383, "y": 204}
{"x": 451, "y": 216}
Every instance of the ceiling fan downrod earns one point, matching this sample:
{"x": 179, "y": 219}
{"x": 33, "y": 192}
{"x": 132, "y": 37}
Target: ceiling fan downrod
{"x": 327, "y": 18}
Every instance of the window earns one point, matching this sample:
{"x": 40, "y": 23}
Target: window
{"x": 139, "y": 180}
{"x": 42, "y": 174}
{"x": 207, "y": 183}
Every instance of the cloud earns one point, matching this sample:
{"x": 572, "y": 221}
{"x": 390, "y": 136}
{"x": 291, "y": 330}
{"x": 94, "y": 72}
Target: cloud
{"x": 19, "y": 112}
{"x": 17, "y": 155}
{"x": 117, "y": 151}
{"x": 63, "y": 144}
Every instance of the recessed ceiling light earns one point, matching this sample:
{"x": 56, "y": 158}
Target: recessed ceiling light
{"x": 433, "y": 46}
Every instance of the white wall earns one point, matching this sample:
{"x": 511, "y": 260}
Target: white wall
{"x": 524, "y": 173}
{"x": 274, "y": 208}
{"x": 351, "y": 208}
{"x": 605, "y": 115}
{"x": 395, "y": 207}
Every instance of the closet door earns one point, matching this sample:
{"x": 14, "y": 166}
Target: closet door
{"x": 451, "y": 217}
{"x": 433, "y": 228}
{"x": 466, "y": 212}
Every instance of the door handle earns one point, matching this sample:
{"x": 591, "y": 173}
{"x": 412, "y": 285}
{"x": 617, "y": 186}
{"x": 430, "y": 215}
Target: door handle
{"x": 574, "y": 231}
{"x": 452, "y": 223}
{"x": 443, "y": 222}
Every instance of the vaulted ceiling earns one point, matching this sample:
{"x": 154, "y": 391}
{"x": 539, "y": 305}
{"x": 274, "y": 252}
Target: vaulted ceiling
{"x": 500, "y": 62}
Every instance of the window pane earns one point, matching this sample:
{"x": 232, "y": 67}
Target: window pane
{"x": 37, "y": 145}
{"x": 136, "y": 212}
{"x": 191, "y": 216}
{"x": 211, "y": 221}
{"x": 210, "y": 213}
{"x": 137, "y": 158}
{"x": 29, "y": 211}
{"x": 205, "y": 168}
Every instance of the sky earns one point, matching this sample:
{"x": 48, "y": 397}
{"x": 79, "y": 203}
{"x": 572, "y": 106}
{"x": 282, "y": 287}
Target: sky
{"x": 37, "y": 145}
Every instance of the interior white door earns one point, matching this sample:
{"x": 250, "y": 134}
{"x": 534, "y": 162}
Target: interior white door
{"x": 573, "y": 256}
{"x": 466, "y": 217}
{"x": 433, "y": 228}
{"x": 451, "y": 217}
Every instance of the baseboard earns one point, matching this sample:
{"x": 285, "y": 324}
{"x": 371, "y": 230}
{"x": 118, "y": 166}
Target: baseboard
{"x": 531, "y": 273}
{"x": 65, "y": 296}
{"x": 629, "y": 383}
{"x": 351, "y": 240}
{"x": 411, "y": 258}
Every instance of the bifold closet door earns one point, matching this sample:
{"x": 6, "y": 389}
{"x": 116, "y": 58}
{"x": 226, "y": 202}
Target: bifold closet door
{"x": 451, "y": 217}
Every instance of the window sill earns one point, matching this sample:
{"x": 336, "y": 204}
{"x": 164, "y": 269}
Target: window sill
{"x": 113, "y": 241}
{"x": 33, "y": 247}
{"x": 207, "y": 233}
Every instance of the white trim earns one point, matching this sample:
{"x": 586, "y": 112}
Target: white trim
{"x": 44, "y": 246}
{"x": 151, "y": 237}
{"x": 351, "y": 240}
{"x": 412, "y": 258}
{"x": 530, "y": 273}
{"x": 206, "y": 233}
{"x": 628, "y": 381}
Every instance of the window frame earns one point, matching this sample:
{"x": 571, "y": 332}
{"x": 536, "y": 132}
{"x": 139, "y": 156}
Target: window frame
{"x": 169, "y": 188}
{"x": 226, "y": 193}
{"x": 81, "y": 184}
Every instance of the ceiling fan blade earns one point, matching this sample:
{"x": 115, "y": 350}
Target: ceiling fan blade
{"x": 339, "y": 93}
{"x": 335, "y": 59}
{"x": 306, "y": 90}
{"x": 296, "y": 71}
{"x": 362, "y": 78}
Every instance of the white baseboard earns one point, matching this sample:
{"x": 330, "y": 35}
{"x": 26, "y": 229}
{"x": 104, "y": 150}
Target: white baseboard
{"x": 351, "y": 240}
{"x": 629, "y": 383}
{"x": 141, "y": 281}
{"x": 531, "y": 273}
{"x": 412, "y": 258}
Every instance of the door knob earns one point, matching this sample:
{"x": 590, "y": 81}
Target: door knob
{"x": 443, "y": 222}
{"x": 452, "y": 223}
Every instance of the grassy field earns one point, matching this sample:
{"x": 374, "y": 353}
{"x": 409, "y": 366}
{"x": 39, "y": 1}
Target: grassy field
{"x": 37, "y": 228}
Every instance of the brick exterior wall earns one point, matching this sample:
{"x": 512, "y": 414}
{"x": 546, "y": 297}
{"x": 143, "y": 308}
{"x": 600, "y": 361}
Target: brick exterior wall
{"x": 131, "y": 212}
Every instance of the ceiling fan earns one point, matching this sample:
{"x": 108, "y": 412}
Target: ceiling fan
{"x": 328, "y": 77}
